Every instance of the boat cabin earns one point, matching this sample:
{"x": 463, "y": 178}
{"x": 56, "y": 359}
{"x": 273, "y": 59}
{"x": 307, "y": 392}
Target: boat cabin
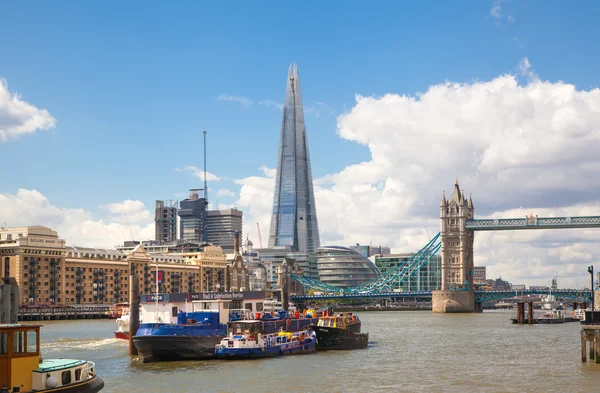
{"x": 337, "y": 321}
{"x": 21, "y": 366}
{"x": 238, "y": 328}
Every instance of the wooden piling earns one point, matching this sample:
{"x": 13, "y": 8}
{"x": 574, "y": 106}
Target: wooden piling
{"x": 583, "y": 347}
{"x": 520, "y": 312}
{"x": 530, "y": 313}
{"x": 134, "y": 309}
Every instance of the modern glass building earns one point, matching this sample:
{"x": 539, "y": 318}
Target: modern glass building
{"x": 192, "y": 218}
{"x": 343, "y": 267}
{"x": 429, "y": 277}
{"x": 294, "y": 218}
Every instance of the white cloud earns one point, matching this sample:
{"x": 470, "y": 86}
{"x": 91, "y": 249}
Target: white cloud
{"x": 244, "y": 101}
{"x": 225, "y": 193}
{"x": 272, "y": 104}
{"x": 532, "y": 145}
{"x": 497, "y": 13}
{"x": 128, "y": 211}
{"x": 199, "y": 173}
{"x": 76, "y": 226}
{"x": 18, "y": 117}
{"x": 527, "y": 71}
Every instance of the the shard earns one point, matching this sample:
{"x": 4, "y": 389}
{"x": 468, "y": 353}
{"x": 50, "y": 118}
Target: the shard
{"x": 294, "y": 220}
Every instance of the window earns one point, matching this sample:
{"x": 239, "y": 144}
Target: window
{"x": 18, "y": 342}
{"x": 66, "y": 377}
{"x": 77, "y": 374}
{"x": 3, "y": 343}
{"x": 31, "y": 341}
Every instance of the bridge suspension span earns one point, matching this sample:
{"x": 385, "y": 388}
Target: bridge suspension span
{"x": 386, "y": 282}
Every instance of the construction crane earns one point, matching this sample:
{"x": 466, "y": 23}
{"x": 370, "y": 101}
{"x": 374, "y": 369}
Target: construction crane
{"x": 259, "y": 236}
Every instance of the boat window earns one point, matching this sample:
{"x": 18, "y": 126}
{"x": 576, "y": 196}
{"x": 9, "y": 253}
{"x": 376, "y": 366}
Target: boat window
{"x": 19, "y": 342}
{"x": 248, "y": 306}
{"x": 174, "y": 312}
{"x": 77, "y": 374}
{"x": 259, "y": 307}
{"x": 3, "y": 343}
{"x": 66, "y": 377}
{"x": 31, "y": 341}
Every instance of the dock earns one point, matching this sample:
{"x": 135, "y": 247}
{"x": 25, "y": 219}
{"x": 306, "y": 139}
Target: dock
{"x": 590, "y": 333}
{"x": 63, "y": 312}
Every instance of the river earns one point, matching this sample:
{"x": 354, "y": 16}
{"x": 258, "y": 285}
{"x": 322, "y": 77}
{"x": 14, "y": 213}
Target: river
{"x": 409, "y": 351}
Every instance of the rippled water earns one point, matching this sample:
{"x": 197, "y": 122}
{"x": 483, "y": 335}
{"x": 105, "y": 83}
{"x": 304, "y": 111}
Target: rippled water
{"x": 409, "y": 352}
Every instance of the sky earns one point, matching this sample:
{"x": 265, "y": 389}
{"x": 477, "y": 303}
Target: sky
{"x": 102, "y": 108}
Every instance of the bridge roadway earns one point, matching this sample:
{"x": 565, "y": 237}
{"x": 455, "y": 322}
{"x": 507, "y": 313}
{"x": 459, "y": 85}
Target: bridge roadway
{"x": 480, "y": 296}
{"x": 532, "y": 222}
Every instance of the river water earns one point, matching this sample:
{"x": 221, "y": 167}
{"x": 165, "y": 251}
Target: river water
{"x": 408, "y": 352}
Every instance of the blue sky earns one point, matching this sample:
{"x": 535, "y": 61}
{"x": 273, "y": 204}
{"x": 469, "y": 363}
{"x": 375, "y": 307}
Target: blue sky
{"x": 132, "y": 85}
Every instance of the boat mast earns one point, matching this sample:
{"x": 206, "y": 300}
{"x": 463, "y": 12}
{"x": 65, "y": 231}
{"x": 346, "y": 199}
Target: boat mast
{"x": 156, "y": 295}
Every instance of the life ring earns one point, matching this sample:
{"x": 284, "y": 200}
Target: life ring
{"x": 287, "y": 322}
{"x": 251, "y": 337}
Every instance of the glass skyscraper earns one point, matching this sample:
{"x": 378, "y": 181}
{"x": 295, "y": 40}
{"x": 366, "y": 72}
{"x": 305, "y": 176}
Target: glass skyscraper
{"x": 294, "y": 220}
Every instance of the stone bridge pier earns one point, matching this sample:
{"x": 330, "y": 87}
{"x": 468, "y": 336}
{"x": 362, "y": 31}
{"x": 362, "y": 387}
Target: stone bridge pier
{"x": 457, "y": 293}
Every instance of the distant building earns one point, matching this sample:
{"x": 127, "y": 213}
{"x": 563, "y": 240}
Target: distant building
{"x": 192, "y": 217}
{"x": 343, "y": 267}
{"x": 429, "y": 277}
{"x": 519, "y": 287}
{"x": 368, "y": 251}
{"x": 165, "y": 221}
{"x": 221, "y": 226}
{"x": 238, "y": 278}
{"x": 272, "y": 258}
{"x": 499, "y": 284}
{"x": 479, "y": 274}
{"x": 294, "y": 218}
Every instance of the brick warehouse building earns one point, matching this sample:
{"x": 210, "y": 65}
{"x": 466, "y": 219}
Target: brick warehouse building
{"x": 49, "y": 272}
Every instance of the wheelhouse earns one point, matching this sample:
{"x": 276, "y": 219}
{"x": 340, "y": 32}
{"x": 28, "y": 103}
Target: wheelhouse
{"x": 333, "y": 322}
{"x": 19, "y": 355}
{"x": 21, "y": 366}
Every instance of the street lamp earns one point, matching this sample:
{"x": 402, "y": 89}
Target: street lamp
{"x": 591, "y": 271}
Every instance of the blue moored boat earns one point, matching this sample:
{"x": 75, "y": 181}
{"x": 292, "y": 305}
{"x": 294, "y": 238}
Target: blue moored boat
{"x": 247, "y": 340}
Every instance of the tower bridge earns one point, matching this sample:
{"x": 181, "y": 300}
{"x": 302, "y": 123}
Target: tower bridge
{"x": 455, "y": 241}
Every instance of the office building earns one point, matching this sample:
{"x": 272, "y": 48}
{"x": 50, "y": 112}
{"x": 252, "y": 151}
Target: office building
{"x": 343, "y": 267}
{"x": 192, "y": 218}
{"x": 294, "y": 218}
{"x": 479, "y": 275}
{"x": 165, "y": 221}
{"x": 221, "y": 226}
{"x": 368, "y": 251}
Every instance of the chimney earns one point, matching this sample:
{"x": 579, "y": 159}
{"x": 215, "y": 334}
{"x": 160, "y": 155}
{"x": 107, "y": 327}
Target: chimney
{"x": 236, "y": 242}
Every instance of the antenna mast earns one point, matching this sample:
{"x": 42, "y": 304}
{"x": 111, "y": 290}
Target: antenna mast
{"x": 205, "y": 186}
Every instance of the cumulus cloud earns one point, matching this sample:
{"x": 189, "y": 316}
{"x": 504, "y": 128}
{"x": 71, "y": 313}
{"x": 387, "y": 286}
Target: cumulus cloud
{"x": 76, "y": 226}
{"x": 18, "y": 117}
{"x": 512, "y": 145}
{"x": 199, "y": 173}
{"x": 128, "y": 211}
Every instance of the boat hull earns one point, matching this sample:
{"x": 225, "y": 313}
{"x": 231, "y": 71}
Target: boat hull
{"x": 122, "y": 335}
{"x": 269, "y": 352}
{"x": 173, "y": 348}
{"x": 341, "y": 339}
{"x": 93, "y": 385}
{"x": 550, "y": 320}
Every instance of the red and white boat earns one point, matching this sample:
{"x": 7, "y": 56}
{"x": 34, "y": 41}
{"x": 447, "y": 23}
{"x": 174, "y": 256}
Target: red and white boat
{"x": 122, "y": 331}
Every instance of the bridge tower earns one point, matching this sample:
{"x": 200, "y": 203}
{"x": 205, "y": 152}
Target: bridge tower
{"x": 457, "y": 293}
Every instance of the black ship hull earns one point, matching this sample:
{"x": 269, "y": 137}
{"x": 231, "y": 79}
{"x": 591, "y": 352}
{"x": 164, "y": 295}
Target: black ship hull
{"x": 173, "y": 348}
{"x": 342, "y": 339}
